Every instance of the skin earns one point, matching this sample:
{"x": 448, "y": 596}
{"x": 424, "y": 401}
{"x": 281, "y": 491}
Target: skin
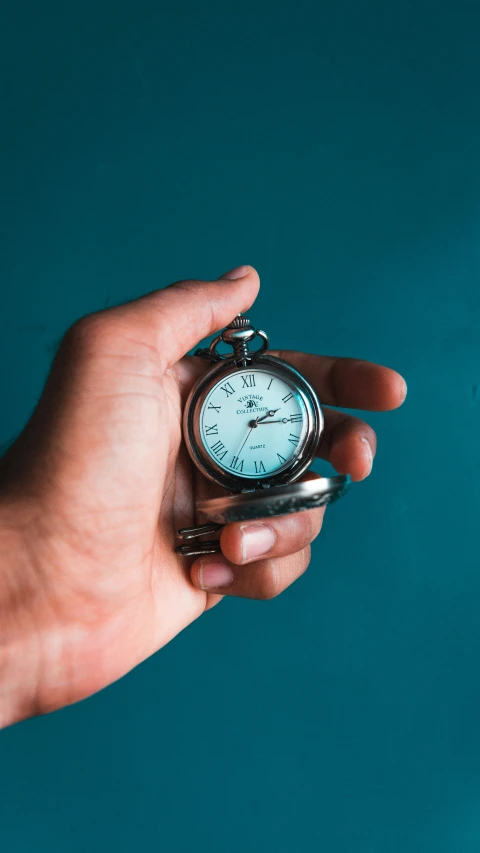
{"x": 93, "y": 490}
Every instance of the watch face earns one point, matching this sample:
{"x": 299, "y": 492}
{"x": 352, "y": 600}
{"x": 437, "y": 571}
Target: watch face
{"x": 254, "y": 422}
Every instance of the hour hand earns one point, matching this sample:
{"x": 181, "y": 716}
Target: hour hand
{"x": 269, "y": 414}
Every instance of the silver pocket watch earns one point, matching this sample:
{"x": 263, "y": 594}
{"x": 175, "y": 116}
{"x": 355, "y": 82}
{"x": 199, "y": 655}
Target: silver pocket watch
{"x": 252, "y": 424}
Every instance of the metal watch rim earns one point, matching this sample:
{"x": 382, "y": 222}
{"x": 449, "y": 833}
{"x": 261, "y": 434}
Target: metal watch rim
{"x": 216, "y": 473}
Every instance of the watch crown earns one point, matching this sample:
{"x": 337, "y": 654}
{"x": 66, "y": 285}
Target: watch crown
{"x": 239, "y": 322}
{"x": 238, "y": 335}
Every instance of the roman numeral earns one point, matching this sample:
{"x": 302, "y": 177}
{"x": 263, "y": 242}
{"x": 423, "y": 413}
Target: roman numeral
{"x": 271, "y": 380}
{"x": 236, "y": 464}
{"x": 219, "y": 449}
{"x": 281, "y": 459}
{"x": 295, "y": 418}
{"x": 228, "y": 389}
{"x": 213, "y": 430}
{"x": 248, "y": 381}
{"x": 287, "y": 398}
{"x": 294, "y": 439}
{"x": 259, "y": 468}
{"x": 217, "y": 408}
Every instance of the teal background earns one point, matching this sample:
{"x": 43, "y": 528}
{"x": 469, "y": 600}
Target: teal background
{"x": 334, "y": 146}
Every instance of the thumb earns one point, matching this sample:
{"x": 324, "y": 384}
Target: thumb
{"x": 173, "y": 320}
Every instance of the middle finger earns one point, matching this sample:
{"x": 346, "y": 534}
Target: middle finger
{"x": 350, "y": 383}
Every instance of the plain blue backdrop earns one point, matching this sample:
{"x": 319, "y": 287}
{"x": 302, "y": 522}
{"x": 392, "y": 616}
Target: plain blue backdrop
{"x": 335, "y": 146}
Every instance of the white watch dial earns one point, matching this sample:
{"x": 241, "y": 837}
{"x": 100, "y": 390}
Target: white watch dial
{"x": 253, "y": 423}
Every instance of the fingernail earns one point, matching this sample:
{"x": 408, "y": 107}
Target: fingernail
{"x": 368, "y": 453}
{"x": 405, "y": 389}
{"x": 213, "y": 574}
{"x": 238, "y": 272}
{"x": 257, "y": 539}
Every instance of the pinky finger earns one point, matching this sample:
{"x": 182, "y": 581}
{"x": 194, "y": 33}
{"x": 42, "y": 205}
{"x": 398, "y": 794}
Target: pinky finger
{"x": 262, "y": 580}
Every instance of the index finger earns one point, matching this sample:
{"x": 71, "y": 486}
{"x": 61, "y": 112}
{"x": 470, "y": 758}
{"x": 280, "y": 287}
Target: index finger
{"x": 351, "y": 383}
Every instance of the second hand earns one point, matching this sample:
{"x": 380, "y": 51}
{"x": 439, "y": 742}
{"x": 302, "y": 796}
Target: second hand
{"x": 244, "y": 442}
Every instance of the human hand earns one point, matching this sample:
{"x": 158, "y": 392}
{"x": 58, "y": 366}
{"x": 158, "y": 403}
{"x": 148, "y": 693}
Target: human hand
{"x": 93, "y": 490}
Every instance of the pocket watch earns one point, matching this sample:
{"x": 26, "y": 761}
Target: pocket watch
{"x": 252, "y": 424}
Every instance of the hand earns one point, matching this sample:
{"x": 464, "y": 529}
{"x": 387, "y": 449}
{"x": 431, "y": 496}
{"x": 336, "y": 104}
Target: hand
{"x": 95, "y": 487}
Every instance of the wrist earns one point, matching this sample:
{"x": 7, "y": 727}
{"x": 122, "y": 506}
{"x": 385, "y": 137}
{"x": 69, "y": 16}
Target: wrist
{"x": 19, "y": 657}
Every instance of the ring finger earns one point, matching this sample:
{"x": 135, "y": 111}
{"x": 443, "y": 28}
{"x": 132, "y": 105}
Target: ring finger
{"x": 348, "y": 443}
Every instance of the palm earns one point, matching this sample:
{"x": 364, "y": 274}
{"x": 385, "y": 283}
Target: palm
{"x": 145, "y": 578}
{"x": 121, "y": 485}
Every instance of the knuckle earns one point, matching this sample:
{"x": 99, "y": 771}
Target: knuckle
{"x": 278, "y": 574}
{"x": 304, "y": 527}
{"x": 92, "y": 334}
{"x": 85, "y": 331}
{"x": 309, "y": 525}
{"x": 315, "y": 522}
{"x": 305, "y": 560}
{"x": 269, "y": 581}
{"x": 283, "y": 354}
{"x": 183, "y": 284}
{"x": 268, "y": 589}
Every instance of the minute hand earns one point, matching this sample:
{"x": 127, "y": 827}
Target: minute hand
{"x": 276, "y": 421}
